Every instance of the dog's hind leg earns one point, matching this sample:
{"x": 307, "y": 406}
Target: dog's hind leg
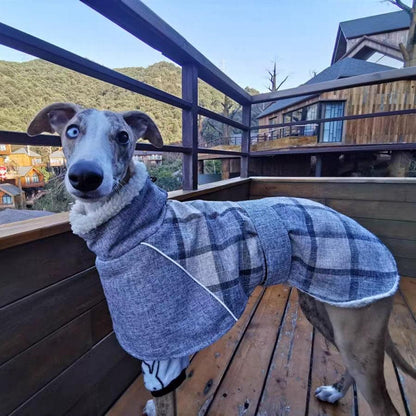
{"x": 317, "y": 315}
{"x": 360, "y": 335}
{"x": 338, "y": 390}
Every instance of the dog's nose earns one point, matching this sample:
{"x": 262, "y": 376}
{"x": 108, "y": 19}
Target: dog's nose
{"x": 85, "y": 176}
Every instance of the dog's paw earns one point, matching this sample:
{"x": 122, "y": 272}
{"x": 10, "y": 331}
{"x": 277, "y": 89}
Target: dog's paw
{"x": 150, "y": 408}
{"x": 328, "y": 394}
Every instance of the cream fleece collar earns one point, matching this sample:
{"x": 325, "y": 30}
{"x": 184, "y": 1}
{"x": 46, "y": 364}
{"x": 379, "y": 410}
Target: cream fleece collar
{"x": 86, "y": 216}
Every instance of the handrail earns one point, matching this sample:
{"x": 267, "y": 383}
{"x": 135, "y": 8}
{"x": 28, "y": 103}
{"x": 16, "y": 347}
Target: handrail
{"x": 137, "y": 19}
{"x": 338, "y": 84}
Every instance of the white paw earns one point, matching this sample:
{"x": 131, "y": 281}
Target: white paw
{"x": 328, "y": 394}
{"x": 150, "y": 408}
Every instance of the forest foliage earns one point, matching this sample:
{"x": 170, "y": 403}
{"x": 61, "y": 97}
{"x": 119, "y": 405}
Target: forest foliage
{"x": 29, "y": 86}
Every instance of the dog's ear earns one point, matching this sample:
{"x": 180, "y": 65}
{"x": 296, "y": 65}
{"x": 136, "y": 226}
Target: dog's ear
{"x": 52, "y": 118}
{"x": 143, "y": 127}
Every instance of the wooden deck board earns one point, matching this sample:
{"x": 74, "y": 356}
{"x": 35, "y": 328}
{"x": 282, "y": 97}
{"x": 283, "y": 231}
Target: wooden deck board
{"x": 272, "y": 361}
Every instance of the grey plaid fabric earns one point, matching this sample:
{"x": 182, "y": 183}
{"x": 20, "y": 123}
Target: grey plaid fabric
{"x": 177, "y": 275}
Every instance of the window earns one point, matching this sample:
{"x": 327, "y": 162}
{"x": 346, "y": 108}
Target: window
{"x": 332, "y": 130}
{"x": 309, "y": 112}
{"x": 27, "y": 178}
{"x": 7, "y": 200}
{"x": 35, "y": 178}
{"x": 3, "y": 147}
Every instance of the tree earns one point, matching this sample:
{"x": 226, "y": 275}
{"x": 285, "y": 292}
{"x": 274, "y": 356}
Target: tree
{"x": 273, "y": 79}
{"x": 408, "y": 51}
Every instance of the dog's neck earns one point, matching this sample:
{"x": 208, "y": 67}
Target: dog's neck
{"x": 86, "y": 217}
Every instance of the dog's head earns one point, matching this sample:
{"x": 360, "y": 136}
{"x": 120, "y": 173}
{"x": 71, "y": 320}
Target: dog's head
{"x": 98, "y": 145}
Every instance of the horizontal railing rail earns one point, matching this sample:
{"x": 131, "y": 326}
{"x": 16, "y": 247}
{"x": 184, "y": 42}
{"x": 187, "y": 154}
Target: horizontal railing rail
{"x": 137, "y": 19}
{"x": 338, "y": 84}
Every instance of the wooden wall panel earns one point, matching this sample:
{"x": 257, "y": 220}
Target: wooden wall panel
{"x": 32, "y": 266}
{"x": 387, "y": 207}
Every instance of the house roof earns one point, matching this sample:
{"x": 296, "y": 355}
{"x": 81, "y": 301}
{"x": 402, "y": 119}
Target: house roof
{"x": 12, "y": 215}
{"x": 57, "y": 153}
{"x": 371, "y": 25}
{"x": 10, "y": 189}
{"x": 24, "y": 151}
{"x": 347, "y": 67}
{"x": 24, "y": 170}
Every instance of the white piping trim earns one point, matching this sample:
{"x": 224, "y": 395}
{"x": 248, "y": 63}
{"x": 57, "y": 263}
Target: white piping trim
{"x": 193, "y": 278}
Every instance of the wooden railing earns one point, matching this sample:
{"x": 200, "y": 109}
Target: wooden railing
{"x": 141, "y": 22}
{"x": 58, "y": 353}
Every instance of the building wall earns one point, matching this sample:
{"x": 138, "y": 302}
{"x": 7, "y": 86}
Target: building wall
{"x": 392, "y": 38}
{"x": 399, "y": 95}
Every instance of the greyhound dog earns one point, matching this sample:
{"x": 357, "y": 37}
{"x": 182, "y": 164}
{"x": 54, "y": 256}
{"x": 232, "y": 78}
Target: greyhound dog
{"x": 178, "y": 310}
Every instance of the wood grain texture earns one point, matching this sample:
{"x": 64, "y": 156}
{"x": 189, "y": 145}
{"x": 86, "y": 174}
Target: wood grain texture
{"x": 286, "y": 388}
{"x": 36, "y": 366}
{"x": 66, "y": 390}
{"x": 32, "y": 266}
{"x": 240, "y": 390}
{"x": 208, "y": 367}
{"x": 29, "y": 320}
{"x": 327, "y": 368}
{"x": 402, "y": 327}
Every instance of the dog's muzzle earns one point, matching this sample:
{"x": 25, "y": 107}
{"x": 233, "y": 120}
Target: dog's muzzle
{"x": 85, "y": 176}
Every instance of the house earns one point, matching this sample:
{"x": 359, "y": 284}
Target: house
{"x": 358, "y": 43}
{"x": 27, "y": 177}
{"x": 57, "y": 159}
{"x": 11, "y": 196}
{"x": 26, "y": 157}
{"x": 149, "y": 158}
{"x": 369, "y": 38}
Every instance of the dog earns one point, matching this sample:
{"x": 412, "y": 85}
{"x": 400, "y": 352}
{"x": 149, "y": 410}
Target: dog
{"x": 211, "y": 255}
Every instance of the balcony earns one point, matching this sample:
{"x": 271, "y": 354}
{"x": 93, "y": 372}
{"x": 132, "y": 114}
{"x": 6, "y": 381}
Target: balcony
{"x": 59, "y": 354}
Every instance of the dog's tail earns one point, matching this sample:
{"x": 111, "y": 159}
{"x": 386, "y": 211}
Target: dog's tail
{"x": 397, "y": 358}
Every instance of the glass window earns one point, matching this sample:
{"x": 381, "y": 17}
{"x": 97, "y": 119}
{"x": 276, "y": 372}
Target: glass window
{"x": 7, "y": 200}
{"x": 332, "y": 130}
{"x": 35, "y": 178}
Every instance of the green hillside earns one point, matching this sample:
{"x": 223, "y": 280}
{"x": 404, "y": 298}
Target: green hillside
{"x": 27, "y": 87}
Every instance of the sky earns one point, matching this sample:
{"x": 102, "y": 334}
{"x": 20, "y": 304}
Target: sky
{"x": 241, "y": 37}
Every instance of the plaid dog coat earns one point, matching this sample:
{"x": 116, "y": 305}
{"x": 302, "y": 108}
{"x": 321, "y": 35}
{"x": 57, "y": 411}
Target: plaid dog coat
{"x": 178, "y": 275}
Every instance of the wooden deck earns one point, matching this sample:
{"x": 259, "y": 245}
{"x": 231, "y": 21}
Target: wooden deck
{"x": 271, "y": 362}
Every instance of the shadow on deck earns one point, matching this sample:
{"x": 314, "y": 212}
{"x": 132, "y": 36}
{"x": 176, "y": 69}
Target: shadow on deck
{"x": 272, "y": 361}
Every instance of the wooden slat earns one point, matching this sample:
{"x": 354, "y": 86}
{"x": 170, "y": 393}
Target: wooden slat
{"x": 34, "y": 229}
{"x": 36, "y": 366}
{"x": 241, "y": 387}
{"x": 29, "y": 320}
{"x": 399, "y": 211}
{"x": 133, "y": 400}
{"x": 402, "y": 328}
{"x": 407, "y": 267}
{"x": 408, "y": 291}
{"x": 209, "y": 366}
{"x": 327, "y": 368}
{"x": 391, "y": 229}
{"x": 65, "y": 391}
{"x": 98, "y": 399}
{"x": 286, "y": 388}
{"x": 29, "y": 267}
{"x": 341, "y": 190}
{"x": 401, "y": 247}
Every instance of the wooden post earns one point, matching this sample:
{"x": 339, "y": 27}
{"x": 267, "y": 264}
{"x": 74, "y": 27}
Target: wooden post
{"x": 245, "y": 141}
{"x": 190, "y": 126}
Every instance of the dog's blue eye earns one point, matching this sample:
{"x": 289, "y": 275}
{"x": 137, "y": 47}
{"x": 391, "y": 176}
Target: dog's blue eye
{"x": 72, "y": 132}
{"x": 122, "y": 137}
